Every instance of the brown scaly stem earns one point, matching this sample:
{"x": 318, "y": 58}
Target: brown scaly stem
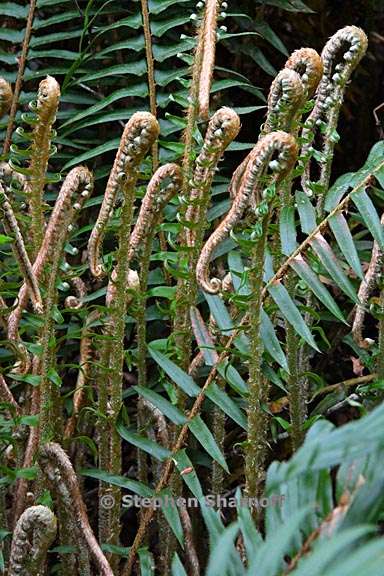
{"x": 63, "y": 483}
{"x": 380, "y": 355}
{"x": 181, "y": 327}
{"x": 7, "y": 396}
{"x": 12, "y": 229}
{"x": 86, "y": 355}
{"x": 340, "y": 56}
{"x": 371, "y": 279}
{"x": 156, "y": 198}
{"x": 20, "y": 76}
{"x": 223, "y": 127}
{"x": 150, "y": 75}
{"x": 45, "y": 108}
{"x": 78, "y": 180}
{"x": 30, "y": 449}
{"x": 208, "y": 59}
{"x": 63, "y": 215}
{"x": 34, "y": 533}
{"x": 190, "y": 548}
{"x": 139, "y": 134}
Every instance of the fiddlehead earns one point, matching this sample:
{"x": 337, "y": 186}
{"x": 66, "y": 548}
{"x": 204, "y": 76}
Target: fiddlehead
{"x": 76, "y": 302}
{"x": 62, "y": 480}
{"x": 76, "y": 188}
{"x": 139, "y": 134}
{"x": 50, "y": 399}
{"x": 156, "y": 198}
{"x": 223, "y": 127}
{"x": 5, "y": 96}
{"x": 34, "y": 533}
{"x": 277, "y": 152}
{"x": 45, "y": 109}
{"x": 340, "y": 56}
{"x": 308, "y": 64}
{"x": 12, "y": 229}
{"x": 285, "y": 101}
{"x": 286, "y": 96}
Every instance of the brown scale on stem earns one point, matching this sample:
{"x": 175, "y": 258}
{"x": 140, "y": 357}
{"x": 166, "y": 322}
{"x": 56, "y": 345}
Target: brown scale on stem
{"x": 260, "y": 159}
{"x": 223, "y": 127}
{"x": 7, "y": 396}
{"x": 45, "y": 108}
{"x": 34, "y": 533}
{"x": 5, "y": 96}
{"x": 11, "y": 228}
{"x": 141, "y": 130}
{"x": 86, "y": 355}
{"x": 62, "y": 480}
{"x": 190, "y": 548}
{"x": 366, "y": 288}
{"x": 208, "y": 58}
{"x": 79, "y": 184}
{"x": 154, "y": 202}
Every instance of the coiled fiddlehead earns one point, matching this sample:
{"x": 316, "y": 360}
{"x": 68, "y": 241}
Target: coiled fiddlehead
{"x": 308, "y": 64}
{"x": 261, "y": 158}
{"x": 340, "y": 56}
{"x": 286, "y": 96}
{"x": 154, "y": 202}
{"x": 285, "y": 101}
{"x": 5, "y": 96}
{"x": 12, "y": 229}
{"x": 223, "y": 127}
{"x": 76, "y": 188}
{"x": 77, "y": 180}
{"x": 139, "y": 134}
{"x": 63, "y": 483}
{"x": 45, "y": 109}
{"x": 34, "y": 533}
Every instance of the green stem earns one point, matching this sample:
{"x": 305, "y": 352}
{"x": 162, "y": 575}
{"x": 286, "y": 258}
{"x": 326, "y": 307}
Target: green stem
{"x": 258, "y": 386}
{"x": 380, "y": 357}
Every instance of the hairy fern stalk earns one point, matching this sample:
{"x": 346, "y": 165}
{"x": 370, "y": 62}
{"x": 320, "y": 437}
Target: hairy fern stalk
{"x": 165, "y": 323}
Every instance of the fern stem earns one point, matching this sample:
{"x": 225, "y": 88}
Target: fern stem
{"x": 139, "y": 134}
{"x": 46, "y": 109}
{"x": 258, "y": 386}
{"x": 20, "y": 76}
{"x": 380, "y": 354}
{"x": 151, "y": 76}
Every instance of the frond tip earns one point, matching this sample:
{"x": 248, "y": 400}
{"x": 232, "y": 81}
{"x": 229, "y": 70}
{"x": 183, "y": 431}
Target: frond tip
{"x": 34, "y": 533}
{"x": 286, "y": 96}
{"x": 164, "y": 184}
{"x": 5, "y": 96}
{"x": 276, "y": 152}
{"x": 308, "y": 64}
{"x": 139, "y": 134}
